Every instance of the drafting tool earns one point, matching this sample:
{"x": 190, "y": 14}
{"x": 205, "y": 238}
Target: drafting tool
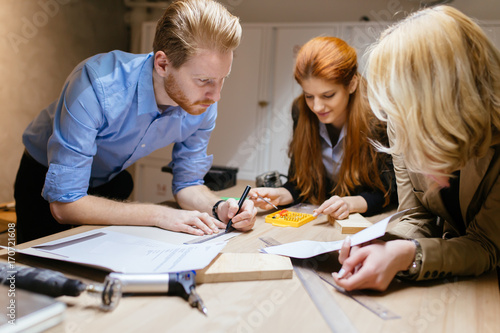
{"x": 267, "y": 201}
{"x": 286, "y": 218}
{"x": 317, "y": 290}
{"x": 222, "y": 235}
{"x": 327, "y": 306}
{"x": 362, "y": 299}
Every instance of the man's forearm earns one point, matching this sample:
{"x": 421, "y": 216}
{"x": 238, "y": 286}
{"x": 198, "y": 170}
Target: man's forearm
{"x": 197, "y": 197}
{"x": 102, "y": 211}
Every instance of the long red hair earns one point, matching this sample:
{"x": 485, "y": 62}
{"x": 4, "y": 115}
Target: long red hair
{"x": 332, "y": 59}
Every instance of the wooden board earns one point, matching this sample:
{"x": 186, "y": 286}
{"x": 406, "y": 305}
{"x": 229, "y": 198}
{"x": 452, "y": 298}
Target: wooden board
{"x": 356, "y": 222}
{"x": 230, "y": 267}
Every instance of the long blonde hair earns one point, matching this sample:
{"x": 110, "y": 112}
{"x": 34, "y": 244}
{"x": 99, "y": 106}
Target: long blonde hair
{"x": 332, "y": 59}
{"x": 435, "y": 77}
{"x": 190, "y": 25}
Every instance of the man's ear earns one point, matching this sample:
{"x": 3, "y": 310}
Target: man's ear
{"x": 353, "y": 85}
{"x": 162, "y": 64}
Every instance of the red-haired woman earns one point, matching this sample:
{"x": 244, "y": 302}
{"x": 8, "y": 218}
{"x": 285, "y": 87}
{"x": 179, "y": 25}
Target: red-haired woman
{"x": 333, "y": 163}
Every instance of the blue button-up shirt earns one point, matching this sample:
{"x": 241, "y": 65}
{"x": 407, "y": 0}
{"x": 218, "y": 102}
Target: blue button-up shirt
{"x": 106, "y": 119}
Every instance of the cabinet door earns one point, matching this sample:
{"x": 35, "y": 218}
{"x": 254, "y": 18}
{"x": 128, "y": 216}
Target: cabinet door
{"x": 237, "y": 140}
{"x": 285, "y": 89}
{"x": 151, "y": 184}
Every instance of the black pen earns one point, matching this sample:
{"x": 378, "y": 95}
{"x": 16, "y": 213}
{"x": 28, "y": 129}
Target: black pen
{"x": 229, "y": 226}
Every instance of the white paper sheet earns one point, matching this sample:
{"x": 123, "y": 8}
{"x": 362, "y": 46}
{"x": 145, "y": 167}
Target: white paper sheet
{"x": 307, "y": 248}
{"x": 172, "y": 237}
{"x": 125, "y": 253}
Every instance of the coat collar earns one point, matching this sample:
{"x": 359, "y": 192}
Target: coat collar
{"x": 471, "y": 177}
{"x": 476, "y": 170}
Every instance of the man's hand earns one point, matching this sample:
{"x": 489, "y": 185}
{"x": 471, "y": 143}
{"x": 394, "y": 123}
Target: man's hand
{"x": 245, "y": 219}
{"x": 373, "y": 266}
{"x": 199, "y": 197}
{"x": 191, "y": 222}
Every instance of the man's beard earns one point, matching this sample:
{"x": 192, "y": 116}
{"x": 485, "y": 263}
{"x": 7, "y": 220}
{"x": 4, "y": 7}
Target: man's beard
{"x": 177, "y": 95}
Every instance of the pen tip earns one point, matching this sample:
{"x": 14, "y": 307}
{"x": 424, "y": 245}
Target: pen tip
{"x": 203, "y": 310}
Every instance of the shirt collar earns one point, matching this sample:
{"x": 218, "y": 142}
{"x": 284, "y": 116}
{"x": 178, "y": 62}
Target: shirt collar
{"x": 323, "y": 132}
{"x": 145, "y": 93}
{"x": 173, "y": 111}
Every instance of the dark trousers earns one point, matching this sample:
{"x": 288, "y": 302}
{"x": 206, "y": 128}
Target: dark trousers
{"x": 34, "y": 219}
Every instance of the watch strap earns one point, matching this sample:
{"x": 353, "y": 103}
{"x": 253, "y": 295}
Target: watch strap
{"x": 215, "y": 207}
{"x": 414, "y": 270}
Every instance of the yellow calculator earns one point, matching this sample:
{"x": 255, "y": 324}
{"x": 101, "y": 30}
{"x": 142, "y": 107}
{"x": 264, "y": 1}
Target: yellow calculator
{"x": 286, "y": 218}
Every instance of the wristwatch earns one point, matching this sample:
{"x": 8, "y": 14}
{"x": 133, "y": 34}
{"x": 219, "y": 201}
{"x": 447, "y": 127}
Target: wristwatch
{"x": 214, "y": 209}
{"x": 414, "y": 270}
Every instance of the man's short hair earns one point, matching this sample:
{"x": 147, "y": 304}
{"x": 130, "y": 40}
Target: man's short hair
{"x": 190, "y": 25}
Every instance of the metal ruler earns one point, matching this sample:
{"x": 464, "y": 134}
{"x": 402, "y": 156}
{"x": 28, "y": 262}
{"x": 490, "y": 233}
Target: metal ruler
{"x": 316, "y": 278}
{"x": 204, "y": 239}
{"x": 224, "y": 236}
{"x": 327, "y": 306}
{"x": 363, "y": 299}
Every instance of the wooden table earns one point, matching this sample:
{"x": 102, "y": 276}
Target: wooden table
{"x": 453, "y": 305}
{"x": 7, "y": 216}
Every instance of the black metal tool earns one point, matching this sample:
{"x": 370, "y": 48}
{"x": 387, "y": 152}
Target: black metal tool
{"x": 55, "y": 284}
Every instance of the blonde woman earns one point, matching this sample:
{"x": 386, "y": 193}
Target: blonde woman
{"x": 435, "y": 78}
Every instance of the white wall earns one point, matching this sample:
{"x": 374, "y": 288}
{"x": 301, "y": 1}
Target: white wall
{"x": 272, "y": 11}
{"x": 41, "y": 42}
